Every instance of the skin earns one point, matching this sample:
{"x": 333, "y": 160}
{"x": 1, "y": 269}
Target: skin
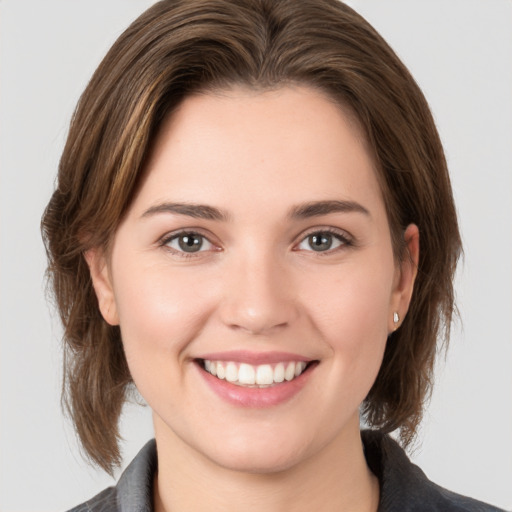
{"x": 257, "y": 284}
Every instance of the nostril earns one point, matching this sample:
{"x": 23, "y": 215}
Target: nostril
{"x": 258, "y": 328}
{"x": 257, "y": 308}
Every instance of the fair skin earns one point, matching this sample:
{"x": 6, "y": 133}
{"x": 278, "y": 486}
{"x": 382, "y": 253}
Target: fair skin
{"x": 258, "y": 238}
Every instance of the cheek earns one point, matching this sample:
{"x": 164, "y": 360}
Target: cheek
{"x": 160, "y": 312}
{"x": 351, "y": 313}
{"x": 353, "y": 303}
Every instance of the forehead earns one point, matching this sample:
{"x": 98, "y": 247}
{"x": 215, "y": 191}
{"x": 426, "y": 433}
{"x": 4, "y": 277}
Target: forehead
{"x": 225, "y": 146}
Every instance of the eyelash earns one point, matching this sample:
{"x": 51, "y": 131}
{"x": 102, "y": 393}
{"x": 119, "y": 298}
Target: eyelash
{"x": 343, "y": 238}
{"x": 167, "y": 239}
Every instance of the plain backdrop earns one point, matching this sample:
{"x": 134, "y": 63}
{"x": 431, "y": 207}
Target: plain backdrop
{"x": 460, "y": 52}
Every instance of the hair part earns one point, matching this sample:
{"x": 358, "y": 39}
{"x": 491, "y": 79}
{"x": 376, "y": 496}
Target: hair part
{"x": 180, "y": 47}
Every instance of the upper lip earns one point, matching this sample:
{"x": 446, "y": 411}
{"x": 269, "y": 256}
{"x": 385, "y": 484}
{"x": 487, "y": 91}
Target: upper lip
{"x": 255, "y": 358}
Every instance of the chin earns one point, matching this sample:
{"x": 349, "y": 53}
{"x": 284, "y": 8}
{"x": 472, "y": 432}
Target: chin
{"x": 259, "y": 456}
{"x": 254, "y": 462}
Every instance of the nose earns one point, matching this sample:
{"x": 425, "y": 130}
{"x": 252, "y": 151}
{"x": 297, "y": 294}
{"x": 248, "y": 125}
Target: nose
{"x": 258, "y": 295}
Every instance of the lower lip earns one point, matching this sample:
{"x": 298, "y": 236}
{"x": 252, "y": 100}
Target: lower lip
{"x": 256, "y": 397}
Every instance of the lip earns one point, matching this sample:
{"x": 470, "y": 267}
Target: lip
{"x": 257, "y": 398}
{"x": 254, "y": 358}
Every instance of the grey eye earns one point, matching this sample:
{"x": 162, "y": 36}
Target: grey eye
{"x": 189, "y": 243}
{"x": 322, "y": 241}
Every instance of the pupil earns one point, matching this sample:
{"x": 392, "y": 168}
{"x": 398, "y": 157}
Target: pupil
{"x": 321, "y": 242}
{"x": 190, "y": 243}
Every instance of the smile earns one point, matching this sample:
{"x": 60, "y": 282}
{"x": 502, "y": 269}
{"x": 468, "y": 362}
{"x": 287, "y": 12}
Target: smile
{"x": 255, "y": 380}
{"x": 258, "y": 376}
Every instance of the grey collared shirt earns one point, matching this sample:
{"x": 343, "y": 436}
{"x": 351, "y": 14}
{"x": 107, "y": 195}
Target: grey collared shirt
{"x": 403, "y": 486}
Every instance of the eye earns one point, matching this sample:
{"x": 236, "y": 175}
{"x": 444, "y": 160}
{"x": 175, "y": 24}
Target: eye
{"x": 323, "y": 241}
{"x": 188, "y": 243}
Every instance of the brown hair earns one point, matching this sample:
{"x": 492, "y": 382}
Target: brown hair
{"x": 178, "y": 47}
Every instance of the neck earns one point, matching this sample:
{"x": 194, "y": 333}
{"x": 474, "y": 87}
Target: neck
{"x": 336, "y": 479}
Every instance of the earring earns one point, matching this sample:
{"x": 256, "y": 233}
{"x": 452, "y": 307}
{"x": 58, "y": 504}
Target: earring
{"x": 396, "y": 318}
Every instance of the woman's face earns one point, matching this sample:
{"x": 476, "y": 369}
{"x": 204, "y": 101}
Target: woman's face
{"x": 257, "y": 249}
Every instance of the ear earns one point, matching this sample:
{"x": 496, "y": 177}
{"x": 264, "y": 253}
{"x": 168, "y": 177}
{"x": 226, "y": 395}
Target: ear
{"x": 404, "y": 278}
{"x": 102, "y": 283}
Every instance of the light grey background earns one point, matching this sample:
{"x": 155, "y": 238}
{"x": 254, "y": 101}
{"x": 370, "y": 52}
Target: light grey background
{"x": 460, "y": 52}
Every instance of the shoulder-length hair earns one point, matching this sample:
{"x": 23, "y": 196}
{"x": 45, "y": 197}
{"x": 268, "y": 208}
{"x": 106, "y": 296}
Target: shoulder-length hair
{"x": 178, "y": 47}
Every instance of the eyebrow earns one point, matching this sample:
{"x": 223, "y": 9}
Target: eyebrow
{"x": 318, "y": 208}
{"x": 197, "y": 211}
{"x": 301, "y": 211}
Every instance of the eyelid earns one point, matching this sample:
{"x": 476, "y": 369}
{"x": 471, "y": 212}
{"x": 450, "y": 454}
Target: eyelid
{"x": 342, "y": 235}
{"x": 164, "y": 240}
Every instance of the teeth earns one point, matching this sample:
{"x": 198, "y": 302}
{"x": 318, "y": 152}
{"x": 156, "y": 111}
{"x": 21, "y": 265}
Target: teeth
{"x": 221, "y": 371}
{"x": 289, "y": 373}
{"x": 231, "y": 372}
{"x": 246, "y": 374}
{"x": 299, "y": 368}
{"x": 263, "y": 375}
{"x": 279, "y": 372}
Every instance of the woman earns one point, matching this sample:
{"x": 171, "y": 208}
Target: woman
{"x": 254, "y": 207}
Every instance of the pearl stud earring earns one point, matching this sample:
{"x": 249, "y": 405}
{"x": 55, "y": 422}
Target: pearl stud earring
{"x": 396, "y": 318}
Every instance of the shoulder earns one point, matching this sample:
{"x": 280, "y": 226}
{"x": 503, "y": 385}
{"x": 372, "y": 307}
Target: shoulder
{"x": 134, "y": 490}
{"x": 404, "y": 486}
{"x": 105, "y": 501}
